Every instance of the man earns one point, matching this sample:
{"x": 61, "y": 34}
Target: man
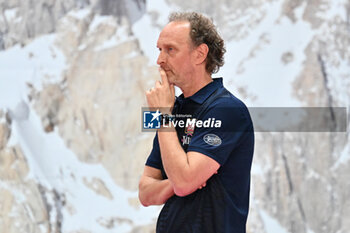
{"x": 202, "y": 174}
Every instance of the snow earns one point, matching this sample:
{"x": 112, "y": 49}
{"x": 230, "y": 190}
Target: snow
{"x": 82, "y": 47}
{"x": 344, "y": 157}
{"x": 262, "y": 72}
{"x": 312, "y": 174}
{"x": 120, "y": 36}
{"x": 98, "y": 20}
{"x": 147, "y": 36}
{"x": 135, "y": 10}
{"x": 51, "y": 163}
{"x": 336, "y": 65}
{"x": 339, "y": 80}
{"x": 80, "y": 14}
{"x": 17, "y": 192}
{"x": 148, "y": 31}
{"x": 56, "y": 167}
{"x": 131, "y": 55}
{"x": 334, "y": 9}
{"x": 271, "y": 224}
{"x": 308, "y": 230}
{"x": 2, "y": 116}
{"x": 37, "y": 63}
{"x": 10, "y": 14}
{"x": 257, "y": 170}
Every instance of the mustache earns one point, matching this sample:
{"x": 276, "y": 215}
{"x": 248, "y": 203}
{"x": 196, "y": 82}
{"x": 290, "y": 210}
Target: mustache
{"x": 165, "y": 68}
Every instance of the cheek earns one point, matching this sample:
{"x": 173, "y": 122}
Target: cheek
{"x": 186, "y": 64}
{"x": 180, "y": 64}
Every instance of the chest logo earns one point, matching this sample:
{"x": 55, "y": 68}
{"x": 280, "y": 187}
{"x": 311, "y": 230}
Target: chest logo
{"x": 212, "y": 139}
{"x": 189, "y": 130}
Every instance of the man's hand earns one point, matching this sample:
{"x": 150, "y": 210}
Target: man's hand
{"x": 205, "y": 183}
{"x": 153, "y": 189}
{"x": 162, "y": 95}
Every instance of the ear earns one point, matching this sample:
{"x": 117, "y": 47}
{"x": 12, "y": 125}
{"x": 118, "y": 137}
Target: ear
{"x": 201, "y": 53}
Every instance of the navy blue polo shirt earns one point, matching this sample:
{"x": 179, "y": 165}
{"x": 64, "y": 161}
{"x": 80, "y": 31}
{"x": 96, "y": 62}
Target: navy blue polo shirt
{"x": 230, "y": 143}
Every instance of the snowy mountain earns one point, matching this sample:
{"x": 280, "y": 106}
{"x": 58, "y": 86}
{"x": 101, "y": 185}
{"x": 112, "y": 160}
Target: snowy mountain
{"x": 72, "y": 81}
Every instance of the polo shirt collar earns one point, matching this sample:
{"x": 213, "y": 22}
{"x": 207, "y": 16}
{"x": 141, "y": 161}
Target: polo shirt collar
{"x": 203, "y": 94}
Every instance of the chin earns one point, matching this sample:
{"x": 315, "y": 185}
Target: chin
{"x": 171, "y": 79}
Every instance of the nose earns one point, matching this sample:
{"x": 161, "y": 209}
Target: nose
{"x": 161, "y": 58}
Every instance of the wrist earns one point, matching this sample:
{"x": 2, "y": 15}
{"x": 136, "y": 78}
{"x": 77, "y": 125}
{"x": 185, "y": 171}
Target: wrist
{"x": 166, "y": 119}
{"x": 167, "y": 123}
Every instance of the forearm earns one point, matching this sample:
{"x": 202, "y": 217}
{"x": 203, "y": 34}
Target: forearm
{"x": 154, "y": 192}
{"x": 174, "y": 158}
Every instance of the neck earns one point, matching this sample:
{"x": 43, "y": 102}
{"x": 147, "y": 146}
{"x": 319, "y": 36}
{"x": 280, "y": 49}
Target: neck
{"x": 197, "y": 82}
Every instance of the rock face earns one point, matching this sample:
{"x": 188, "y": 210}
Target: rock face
{"x": 299, "y": 180}
{"x": 100, "y": 126}
{"x": 21, "y": 21}
{"x": 18, "y": 214}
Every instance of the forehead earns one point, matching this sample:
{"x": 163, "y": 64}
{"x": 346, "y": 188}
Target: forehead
{"x": 174, "y": 33}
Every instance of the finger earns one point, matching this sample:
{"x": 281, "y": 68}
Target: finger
{"x": 163, "y": 76}
{"x": 148, "y": 98}
{"x": 158, "y": 84}
{"x": 150, "y": 90}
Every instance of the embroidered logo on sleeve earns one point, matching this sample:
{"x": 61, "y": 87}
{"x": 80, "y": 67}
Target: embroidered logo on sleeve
{"x": 212, "y": 139}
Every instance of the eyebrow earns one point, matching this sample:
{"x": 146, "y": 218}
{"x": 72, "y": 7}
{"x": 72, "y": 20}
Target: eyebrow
{"x": 168, "y": 45}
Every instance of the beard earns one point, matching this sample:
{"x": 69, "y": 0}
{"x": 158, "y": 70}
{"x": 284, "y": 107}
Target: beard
{"x": 170, "y": 75}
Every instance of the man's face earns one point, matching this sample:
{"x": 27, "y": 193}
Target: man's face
{"x": 175, "y": 52}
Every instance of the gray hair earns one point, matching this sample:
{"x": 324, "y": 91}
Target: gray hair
{"x": 204, "y": 31}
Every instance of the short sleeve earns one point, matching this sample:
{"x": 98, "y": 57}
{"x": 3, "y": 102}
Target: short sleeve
{"x": 219, "y": 142}
{"x": 154, "y": 159}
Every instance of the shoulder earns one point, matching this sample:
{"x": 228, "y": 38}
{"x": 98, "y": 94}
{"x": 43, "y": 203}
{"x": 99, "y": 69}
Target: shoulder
{"x": 230, "y": 110}
{"x": 229, "y": 102}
